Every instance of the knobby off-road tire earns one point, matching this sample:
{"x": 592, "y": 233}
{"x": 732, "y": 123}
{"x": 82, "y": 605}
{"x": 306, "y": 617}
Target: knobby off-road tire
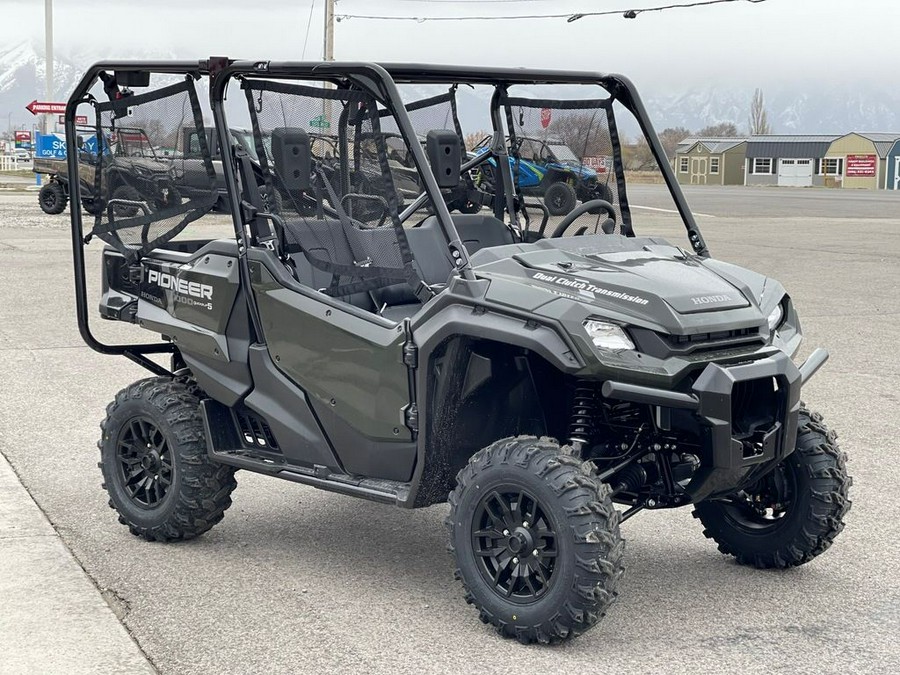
{"x": 153, "y": 428}
{"x": 816, "y": 483}
{"x": 603, "y": 192}
{"x": 560, "y": 199}
{"x": 52, "y": 198}
{"x": 92, "y": 206}
{"x": 126, "y": 193}
{"x": 554, "y": 507}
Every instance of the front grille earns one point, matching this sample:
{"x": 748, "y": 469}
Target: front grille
{"x": 664, "y": 346}
{"x": 715, "y": 341}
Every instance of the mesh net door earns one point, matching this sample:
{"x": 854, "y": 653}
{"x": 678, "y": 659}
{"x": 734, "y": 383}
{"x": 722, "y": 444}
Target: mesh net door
{"x": 345, "y": 218}
{"x": 567, "y": 152}
{"x": 439, "y": 113}
{"x": 153, "y": 172}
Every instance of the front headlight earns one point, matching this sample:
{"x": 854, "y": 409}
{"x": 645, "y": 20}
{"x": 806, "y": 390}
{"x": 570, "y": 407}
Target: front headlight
{"x": 775, "y": 317}
{"x": 608, "y": 336}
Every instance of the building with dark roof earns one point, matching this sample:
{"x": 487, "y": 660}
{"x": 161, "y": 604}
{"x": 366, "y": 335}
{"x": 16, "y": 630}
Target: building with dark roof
{"x": 710, "y": 161}
{"x": 791, "y": 161}
{"x": 862, "y": 160}
{"x": 855, "y": 160}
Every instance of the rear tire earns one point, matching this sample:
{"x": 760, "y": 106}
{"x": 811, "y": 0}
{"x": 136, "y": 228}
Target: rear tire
{"x": 53, "y": 198}
{"x": 155, "y": 464}
{"x": 560, "y": 199}
{"x": 536, "y": 540}
{"x": 793, "y": 514}
{"x": 129, "y": 194}
{"x": 92, "y": 206}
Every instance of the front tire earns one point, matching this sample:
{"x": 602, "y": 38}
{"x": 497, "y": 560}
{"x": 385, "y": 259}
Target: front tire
{"x": 536, "y": 540}
{"x": 603, "y": 192}
{"x": 791, "y": 515}
{"x": 52, "y": 198}
{"x": 126, "y": 193}
{"x": 155, "y": 465}
{"x": 560, "y": 199}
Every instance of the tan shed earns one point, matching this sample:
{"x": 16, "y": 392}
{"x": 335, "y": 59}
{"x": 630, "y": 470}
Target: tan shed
{"x": 710, "y": 161}
{"x": 859, "y": 160}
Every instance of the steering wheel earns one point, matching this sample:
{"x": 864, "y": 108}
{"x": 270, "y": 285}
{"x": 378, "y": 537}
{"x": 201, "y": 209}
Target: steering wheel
{"x": 608, "y": 226}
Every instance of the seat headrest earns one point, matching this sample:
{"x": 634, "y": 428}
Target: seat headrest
{"x": 292, "y": 157}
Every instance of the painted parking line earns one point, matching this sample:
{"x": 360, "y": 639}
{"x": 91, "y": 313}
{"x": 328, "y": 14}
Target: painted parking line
{"x": 653, "y": 208}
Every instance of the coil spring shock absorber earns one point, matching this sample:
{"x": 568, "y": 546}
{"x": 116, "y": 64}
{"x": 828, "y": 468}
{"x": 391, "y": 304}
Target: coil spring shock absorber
{"x": 584, "y": 411}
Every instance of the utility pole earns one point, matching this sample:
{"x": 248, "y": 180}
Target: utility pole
{"x": 328, "y": 55}
{"x": 48, "y": 56}
{"x": 329, "y": 30}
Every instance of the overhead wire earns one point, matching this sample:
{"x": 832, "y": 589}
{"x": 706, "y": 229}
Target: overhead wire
{"x": 312, "y": 4}
{"x": 569, "y": 16}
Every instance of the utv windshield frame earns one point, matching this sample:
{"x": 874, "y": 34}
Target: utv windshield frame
{"x": 380, "y": 81}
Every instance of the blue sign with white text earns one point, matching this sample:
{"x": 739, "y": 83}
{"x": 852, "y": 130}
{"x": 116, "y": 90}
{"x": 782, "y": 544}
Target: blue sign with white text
{"x": 50, "y": 146}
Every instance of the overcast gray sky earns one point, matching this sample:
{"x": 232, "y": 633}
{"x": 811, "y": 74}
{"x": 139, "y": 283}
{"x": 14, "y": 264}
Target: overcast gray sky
{"x": 761, "y": 43}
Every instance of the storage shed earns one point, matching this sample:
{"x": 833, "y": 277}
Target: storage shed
{"x": 793, "y": 161}
{"x": 861, "y": 160}
{"x": 892, "y": 181}
{"x": 710, "y": 161}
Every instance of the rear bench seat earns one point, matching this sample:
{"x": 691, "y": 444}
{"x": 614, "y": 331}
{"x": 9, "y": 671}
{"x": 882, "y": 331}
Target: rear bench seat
{"x": 325, "y": 239}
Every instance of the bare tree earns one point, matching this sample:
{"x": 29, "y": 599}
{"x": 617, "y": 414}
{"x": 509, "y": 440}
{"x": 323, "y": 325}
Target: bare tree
{"x": 475, "y": 138}
{"x": 759, "y": 118}
{"x": 720, "y": 130}
{"x": 584, "y": 132}
{"x": 671, "y": 137}
{"x": 638, "y": 156}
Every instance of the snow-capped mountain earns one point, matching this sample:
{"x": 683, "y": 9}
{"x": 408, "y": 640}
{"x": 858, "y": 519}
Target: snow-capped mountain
{"x": 801, "y": 107}
{"x": 22, "y": 80}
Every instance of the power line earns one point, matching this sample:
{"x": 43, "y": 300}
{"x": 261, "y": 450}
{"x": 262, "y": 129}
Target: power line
{"x": 468, "y": 2}
{"x": 568, "y": 16}
{"x": 308, "y": 22}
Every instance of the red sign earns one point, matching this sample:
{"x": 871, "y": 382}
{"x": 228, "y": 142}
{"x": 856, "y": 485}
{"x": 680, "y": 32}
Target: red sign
{"x": 79, "y": 119}
{"x": 545, "y": 117}
{"x": 862, "y": 166}
{"x": 598, "y": 164}
{"x": 23, "y": 137}
{"x": 42, "y": 108}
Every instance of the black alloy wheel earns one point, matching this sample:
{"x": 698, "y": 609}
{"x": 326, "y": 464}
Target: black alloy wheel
{"x": 155, "y": 463}
{"x": 515, "y": 543}
{"x": 145, "y": 462}
{"x": 792, "y": 514}
{"x": 763, "y": 505}
{"x": 535, "y": 539}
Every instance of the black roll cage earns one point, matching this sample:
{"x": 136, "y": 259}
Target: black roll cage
{"x": 379, "y": 80}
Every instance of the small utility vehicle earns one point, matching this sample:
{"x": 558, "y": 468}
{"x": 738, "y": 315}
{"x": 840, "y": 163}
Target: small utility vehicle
{"x": 550, "y": 169}
{"x": 532, "y": 377}
{"x": 132, "y": 169}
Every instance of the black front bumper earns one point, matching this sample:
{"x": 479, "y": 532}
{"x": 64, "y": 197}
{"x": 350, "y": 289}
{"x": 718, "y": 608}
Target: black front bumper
{"x": 746, "y": 413}
{"x": 744, "y": 433}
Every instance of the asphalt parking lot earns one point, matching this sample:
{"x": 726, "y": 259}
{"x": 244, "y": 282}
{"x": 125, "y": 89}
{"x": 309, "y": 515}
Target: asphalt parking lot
{"x": 297, "y": 580}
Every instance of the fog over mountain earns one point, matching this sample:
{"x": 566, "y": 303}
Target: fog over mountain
{"x": 803, "y": 106}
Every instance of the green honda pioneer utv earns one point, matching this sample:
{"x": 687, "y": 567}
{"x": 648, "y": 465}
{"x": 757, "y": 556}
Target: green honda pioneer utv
{"x": 548, "y": 377}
